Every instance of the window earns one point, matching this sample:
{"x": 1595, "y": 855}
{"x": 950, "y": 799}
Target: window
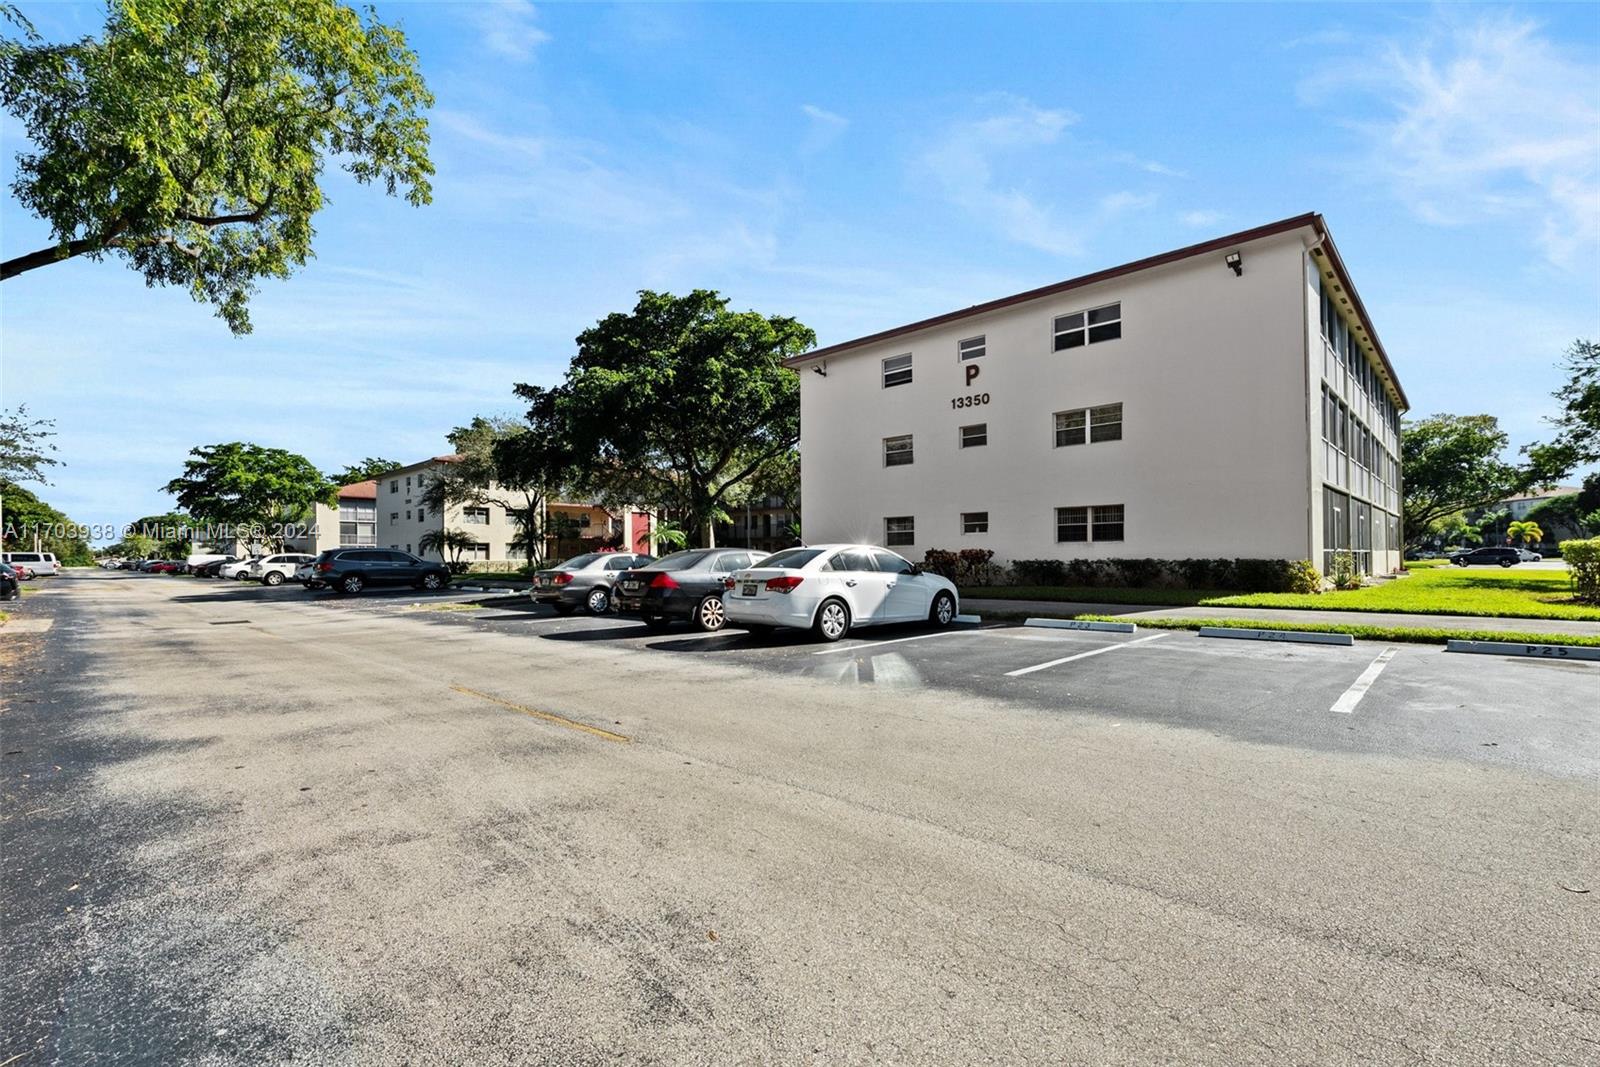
{"x": 394, "y": 516}
{"x": 1105, "y": 423}
{"x": 851, "y": 560}
{"x": 1087, "y": 327}
{"x": 394, "y": 485}
{"x": 889, "y": 563}
{"x": 974, "y": 522}
{"x": 1071, "y": 427}
{"x": 1102, "y": 522}
{"x": 1072, "y": 524}
{"x": 475, "y": 516}
{"x": 1107, "y": 522}
{"x": 897, "y": 451}
{"x": 897, "y": 371}
{"x": 901, "y": 530}
{"x": 478, "y": 550}
{"x": 422, "y": 513}
{"x": 408, "y": 513}
{"x": 408, "y": 482}
{"x": 971, "y": 348}
{"x": 975, "y": 436}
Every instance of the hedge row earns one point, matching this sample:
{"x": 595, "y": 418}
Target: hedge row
{"x": 1247, "y": 575}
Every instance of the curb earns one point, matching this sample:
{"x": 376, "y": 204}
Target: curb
{"x": 1298, "y": 636}
{"x": 1082, "y": 624}
{"x": 1531, "y": 650}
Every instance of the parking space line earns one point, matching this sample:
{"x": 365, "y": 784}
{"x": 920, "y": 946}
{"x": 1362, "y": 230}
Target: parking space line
{"x": 1083, "y": 655}
{"x": 1358, "y": 689}
{"x": 895, "y": 641}
{"x": 547, "y": 716}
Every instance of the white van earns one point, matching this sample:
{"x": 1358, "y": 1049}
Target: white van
{"x": 42, "y": 564}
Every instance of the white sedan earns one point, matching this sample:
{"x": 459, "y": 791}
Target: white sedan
{"x": 238, "y": 569}
{"x": 833, "y": 588}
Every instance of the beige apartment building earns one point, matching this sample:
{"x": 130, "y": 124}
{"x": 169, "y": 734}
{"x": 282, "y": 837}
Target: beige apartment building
{"x": 1226, "y": 399}
{"x": 403, "y": 518}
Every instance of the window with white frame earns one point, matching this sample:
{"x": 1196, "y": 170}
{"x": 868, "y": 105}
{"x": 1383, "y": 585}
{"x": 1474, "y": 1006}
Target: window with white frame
{"x": 900, "y": 530}
{"x": 1088, "y": 327}
{"x": 975, "y": 436}
{"x": 1072, "y": 524}
{"x": 1105, "y": 423}
{"x": 1105, "y": 522}
{"x": 477, "y": 550}
{"x": 1072, "y": 427}
{"x": 897, "y": 371}
{"x": 897, "y": 451}
{"x": 475, "y": 516}
{"x": 972, "y": 348}
{"x": 974, "y": 522}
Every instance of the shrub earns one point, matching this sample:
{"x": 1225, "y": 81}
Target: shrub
{"x": 1583, "y": 564}
{"x": 1343, "y": 574}
{"x": 970, "y": 566}
{"x": 1304, "y": 577}
{"x": 941, "y": 562}
{"x": 1039, "y": 571}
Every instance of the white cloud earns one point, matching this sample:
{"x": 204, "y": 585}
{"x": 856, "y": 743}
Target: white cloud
{"x": 1483, "y": 117}
{"x": 962, "y": 162}
{"x": 1200, "y": 218}
{"x": 825, "y": 128}
{"x": 507, "y": 27}
{"x": 1150, "y": 166}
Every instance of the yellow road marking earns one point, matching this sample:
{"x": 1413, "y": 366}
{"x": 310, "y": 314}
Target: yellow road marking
{"x": 559, "y": 720}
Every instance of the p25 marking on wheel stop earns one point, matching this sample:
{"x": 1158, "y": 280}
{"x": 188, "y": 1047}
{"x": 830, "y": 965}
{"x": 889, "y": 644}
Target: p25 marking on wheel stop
{"x": 1518, "y": 648}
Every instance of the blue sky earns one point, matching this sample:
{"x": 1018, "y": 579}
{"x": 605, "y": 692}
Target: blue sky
{"x": 856, "y": 167}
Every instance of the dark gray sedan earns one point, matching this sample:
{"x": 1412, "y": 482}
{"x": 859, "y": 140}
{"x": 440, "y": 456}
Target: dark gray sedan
{"x": 685, "y": 585}
{"x": 584, "y": 581}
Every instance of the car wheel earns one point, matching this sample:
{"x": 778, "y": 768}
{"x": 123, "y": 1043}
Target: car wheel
{"x": 351, "y": 583}
{"x": 1461, "y": 563}
{"x": 1505, "y": 563}
{"x": 833, "y": 620}
{"x": 710, "y": 615}
{"x": 599, "y": 600}
{"x": 432, "y": 580}
{"x": 272, "y": 578}
{"x": 564, "y": 609}
{"x": 943, "y": 612}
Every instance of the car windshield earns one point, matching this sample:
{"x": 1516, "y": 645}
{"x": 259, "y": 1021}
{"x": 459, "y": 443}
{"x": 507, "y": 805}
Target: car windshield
{"x": 577, "y": 563}
{"x": 791, "y": 557}
{"x": 680, "y": 561}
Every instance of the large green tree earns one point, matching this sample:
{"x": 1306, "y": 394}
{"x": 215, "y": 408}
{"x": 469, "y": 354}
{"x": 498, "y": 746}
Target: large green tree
{"x": 1577, "y": 424}
{"x": 681, "y": 400}
{"x": 25, "y": 446}
{"x": 243, "y": 486}
{"x": 486, "y": 474}
{"x": 366, "y": 470}
{"x": 1454, "y": 463}
{"x": 27, "y": 521}
{"x": 190, "y": 138}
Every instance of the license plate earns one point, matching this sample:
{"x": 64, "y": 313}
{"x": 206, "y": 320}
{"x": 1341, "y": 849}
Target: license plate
{"x": 631, "y": 586}
{"x": 541, "y": 582}
{"x": 749, "y": 589}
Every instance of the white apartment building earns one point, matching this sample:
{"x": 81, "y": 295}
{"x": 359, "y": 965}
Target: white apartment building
{"x": 1228, "y": 399}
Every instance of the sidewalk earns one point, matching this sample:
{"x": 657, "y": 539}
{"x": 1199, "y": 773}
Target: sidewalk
{"x": 1133, "y": 612}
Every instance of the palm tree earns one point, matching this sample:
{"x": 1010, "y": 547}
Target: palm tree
{"x": 1528, "y": 532}
{"x": 453, "y": 541}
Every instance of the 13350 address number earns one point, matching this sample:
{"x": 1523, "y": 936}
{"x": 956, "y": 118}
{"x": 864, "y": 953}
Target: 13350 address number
{"x": 971, "y": 400}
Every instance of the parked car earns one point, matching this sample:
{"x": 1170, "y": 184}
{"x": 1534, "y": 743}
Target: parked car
{"x": 10, "y": 582}
{"x": 40, "y": 564}
{"x": 1528, "y": 555}
{"x": 277, "y": 569}
{"x": 163, "y": 566}
{"x": 685, "y": 585}
{"x": 24, "y": 570}
{"x": 350, "y": 570}
{"x": 1483, "y": 557}
{"x": 584, "y": 581}
{"x": 213, "y": 569}
{"x": 238, "y": 569}
{"x": 306, "y": 575}
{"x": 832, "y": 589}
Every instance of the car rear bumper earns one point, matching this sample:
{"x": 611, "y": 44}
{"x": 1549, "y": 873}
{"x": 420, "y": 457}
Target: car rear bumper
{"x": 775, "y": 610}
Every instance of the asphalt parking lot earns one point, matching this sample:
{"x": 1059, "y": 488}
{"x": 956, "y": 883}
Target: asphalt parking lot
{"x": 248, "y": 825}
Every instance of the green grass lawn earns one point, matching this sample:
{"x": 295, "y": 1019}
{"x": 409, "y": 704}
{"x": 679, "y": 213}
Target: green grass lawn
{"x": 1480, "y": 591}
{"x": 1094, "y": 595}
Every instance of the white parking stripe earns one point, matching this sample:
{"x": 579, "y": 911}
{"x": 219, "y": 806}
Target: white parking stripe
{"x": 1082, "y": 655}
{"x": 896, "y": 641}
{"x": 1352, "y": 696}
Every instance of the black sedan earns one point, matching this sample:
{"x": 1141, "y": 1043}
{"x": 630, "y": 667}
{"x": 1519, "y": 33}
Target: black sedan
{"x": 10, "y": 583}
{"x": 1484, "y": 557}
{"x": 685, "y": 585}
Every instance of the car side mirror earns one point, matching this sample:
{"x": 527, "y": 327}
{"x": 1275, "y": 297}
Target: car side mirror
{"x": 916, "y": 568}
